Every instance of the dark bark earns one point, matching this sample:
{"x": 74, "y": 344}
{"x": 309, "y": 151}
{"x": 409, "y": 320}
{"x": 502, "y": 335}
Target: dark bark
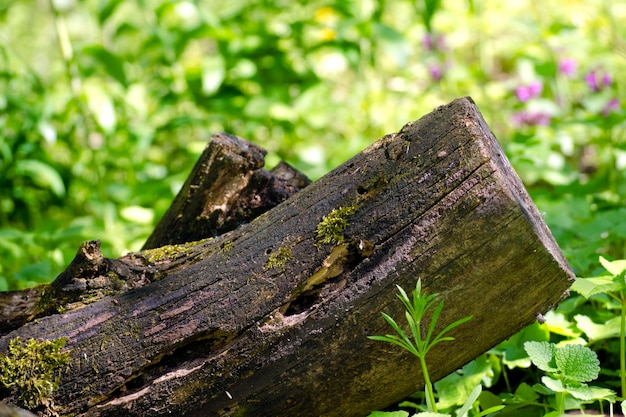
{"x": 227, "y": 187}
{"x": 267, "y": 320}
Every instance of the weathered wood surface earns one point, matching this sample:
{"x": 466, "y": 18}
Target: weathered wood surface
{"x": 216, "y": 332}
{"x": 227, "y": 187}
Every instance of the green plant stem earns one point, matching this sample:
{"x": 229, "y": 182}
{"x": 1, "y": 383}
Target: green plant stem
{"x": 428, "y": 384}
{"x": 622, "y": 346}
{"x": 560, "y": 402}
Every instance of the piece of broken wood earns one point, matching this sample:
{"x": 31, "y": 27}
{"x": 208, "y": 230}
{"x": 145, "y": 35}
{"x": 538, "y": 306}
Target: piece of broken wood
{"x": 272, "y": 318}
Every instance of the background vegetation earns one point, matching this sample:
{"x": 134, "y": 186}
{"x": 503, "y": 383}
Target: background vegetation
{"x": 106, "y": 104}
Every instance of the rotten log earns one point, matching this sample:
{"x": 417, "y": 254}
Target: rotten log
{"x": 272, "y": 318}
{"x": 226, "y": 188}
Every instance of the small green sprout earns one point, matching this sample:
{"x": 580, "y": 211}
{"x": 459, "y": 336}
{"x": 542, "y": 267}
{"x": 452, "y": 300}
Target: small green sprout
{"x": 30, "y": 370}
{"x": 279, "y": 258}
{"x": 330, "y": 229}
{"x": 567, "y": 369}
{"x": 421, "y": 344}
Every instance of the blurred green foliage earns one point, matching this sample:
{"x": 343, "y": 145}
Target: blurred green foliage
{"x": 106, "y": 104}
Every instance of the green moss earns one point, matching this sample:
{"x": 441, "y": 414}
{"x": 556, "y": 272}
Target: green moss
{"x": 227, "y": 247}
{"x": 46, "y": 299}
{"x": 330, "y": 229}
{"x": 30, "y": 370}
{"x": 171, "y": 252}
{"x": 279, "y": 258}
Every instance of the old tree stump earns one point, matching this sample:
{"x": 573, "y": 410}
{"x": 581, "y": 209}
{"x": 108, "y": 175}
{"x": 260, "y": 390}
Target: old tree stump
{"x": 271, "y": 316}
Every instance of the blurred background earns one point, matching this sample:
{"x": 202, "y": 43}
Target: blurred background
{"x": 105, "y": 106}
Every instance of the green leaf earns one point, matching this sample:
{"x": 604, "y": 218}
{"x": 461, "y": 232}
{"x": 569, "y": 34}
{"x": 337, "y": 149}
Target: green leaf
{"x": 542, "y": 355}
{"x": 106, "y": 9}
{"x": 43, "y": 175}
{"x": 594, "y": 331}
{"x": 555, "y": 385}
{"x": 113, "y": 65}
{"x": 469, "y": 402}
{"x": 577, "y": 362}
{"x": 488, "y": 400}
{"x": 525, "y": 393}
{"x": 600, "y": 393}
{"x": 614, "y": 267}
{"x": 596, "y": 285}
{"x": 582, "y": 392}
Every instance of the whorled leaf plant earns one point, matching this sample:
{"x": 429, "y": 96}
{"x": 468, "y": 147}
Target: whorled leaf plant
{"x": 420, "y": 344}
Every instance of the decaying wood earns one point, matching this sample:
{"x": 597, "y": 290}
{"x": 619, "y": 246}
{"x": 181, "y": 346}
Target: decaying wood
{"x": 227, "y": 187}
{"x": 266, "y": 320}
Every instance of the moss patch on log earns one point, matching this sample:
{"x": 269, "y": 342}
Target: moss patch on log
{"x": 279, "y": 258}
{"x": 171, "y": 252}
{"x": 330, "y": 229}
{"x": 30, "y": 370}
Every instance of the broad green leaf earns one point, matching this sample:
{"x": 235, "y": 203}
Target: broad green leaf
{"x": 43, "y": 175}
{"x": 577, "y": 362}
{"x": 525, "y": 393}
{"x": 542, "y": 355}
{"x": 614, "y": 267}
{"x": 431, "y": 414}
{"x": 582, "y": 392}
{"x": 600, "y": 393}
{"x": 595, "y": 331}
{"x": 488, "y": 400}
{"x": 596, "y": 285}
{"x": 555, "y": 385}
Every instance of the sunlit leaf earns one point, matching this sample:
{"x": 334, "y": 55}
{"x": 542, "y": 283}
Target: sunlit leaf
{"x": 542, "y": 355}
{"x": 614, "y": 267}
{"x": 596, "y": 285}
{"x": 595, "y": 331}
{"x": 555, "y": 385}
{"x": 42, "y": 174}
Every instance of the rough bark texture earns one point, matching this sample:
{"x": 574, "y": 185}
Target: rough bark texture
{"x": 267, "y": 320}
{"x": 227, "y": 187}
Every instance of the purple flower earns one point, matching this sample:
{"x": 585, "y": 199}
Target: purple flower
{"x": 435, "y": 72}
{"x": 535, "y": 118}
{"x": 610, "y": 107}
{"x": 568, "y": 67}
{"x": 432, "y": 42}
{"x": 526, "y": 92}
{"x": 593, "y": 80}
{"x": 427, "y": 42}
{"x": 535, "y": 88}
